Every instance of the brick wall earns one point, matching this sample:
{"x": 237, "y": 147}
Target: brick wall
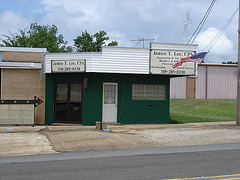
{"x": 23, "y": 56}
{"x": 24, "y": 84}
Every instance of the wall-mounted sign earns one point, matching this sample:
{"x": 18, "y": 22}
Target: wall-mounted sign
{"x": 162, "y": 61}
{"x": 66, "y": 66}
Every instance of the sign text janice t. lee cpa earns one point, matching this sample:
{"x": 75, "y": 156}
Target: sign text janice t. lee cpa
{"x": 161, "y": 62}
{"x": 62, "y": 66}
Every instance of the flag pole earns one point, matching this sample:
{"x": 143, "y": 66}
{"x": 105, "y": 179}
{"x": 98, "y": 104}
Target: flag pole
{"x": 238, "y": 88}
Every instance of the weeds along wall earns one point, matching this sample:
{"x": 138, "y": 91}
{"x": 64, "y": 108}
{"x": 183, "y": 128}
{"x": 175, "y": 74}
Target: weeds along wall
{"x": 129, "y": 111}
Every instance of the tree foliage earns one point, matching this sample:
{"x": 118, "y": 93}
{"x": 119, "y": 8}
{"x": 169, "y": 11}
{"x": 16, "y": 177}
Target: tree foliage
{"x": 41, "y": 36}
{"x": 230, "y": 62}
{"x": 38, "y": 36}
{"x": 92, "y": 43}
{"x": 45, "y": 37}
{"x": 16, "y": 40}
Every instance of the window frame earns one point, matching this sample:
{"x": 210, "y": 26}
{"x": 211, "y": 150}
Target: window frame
{"x": 112, "y": 97}
{"x": 149, "y": 92}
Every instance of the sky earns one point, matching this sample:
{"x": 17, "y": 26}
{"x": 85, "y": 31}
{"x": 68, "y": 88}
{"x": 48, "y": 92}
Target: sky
{"x": 126, "y": 20}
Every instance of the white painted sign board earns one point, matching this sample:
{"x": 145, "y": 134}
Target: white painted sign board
{"x": 161, "y": 62}
{"x": 68, "y": 66}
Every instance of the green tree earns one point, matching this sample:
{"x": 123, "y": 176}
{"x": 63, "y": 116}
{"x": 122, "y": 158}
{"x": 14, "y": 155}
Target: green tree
{"x": 38, "y": 36}
{"x": 113, "y": 43}
{"x": 16, "y": 40}
{"x": 230, "y": 62}
{"x": 92, "y": 43}
{"x": 45, "y": 37}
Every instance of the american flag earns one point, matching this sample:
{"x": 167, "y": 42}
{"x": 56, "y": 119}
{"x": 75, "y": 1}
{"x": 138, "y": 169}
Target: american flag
{"x": 198, "y": 57}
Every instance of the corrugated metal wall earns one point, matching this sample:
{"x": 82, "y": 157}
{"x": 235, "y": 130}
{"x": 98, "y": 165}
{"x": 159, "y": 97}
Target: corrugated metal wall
{"x": 201, "y": 82}
{"x": 123, "y": 60}
{"x": 90, "y": 57}
{"x": 110, "y": 60}
{"x": 178, "y": 88}
{"x": 217, "y": 82}
{"x": 213, "y": 81}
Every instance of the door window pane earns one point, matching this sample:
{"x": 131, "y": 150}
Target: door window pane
{"x": 105, "y": 100}
{"x": 109, "y": 94}
{"x": 76, "y": 92}
{"x": 62, "y": 91}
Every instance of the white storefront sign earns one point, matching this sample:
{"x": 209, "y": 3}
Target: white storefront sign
{"x": 161, "y": 62}
{"x": 68, "y": 66}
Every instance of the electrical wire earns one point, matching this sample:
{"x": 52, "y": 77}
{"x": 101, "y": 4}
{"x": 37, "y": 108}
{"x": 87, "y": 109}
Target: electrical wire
{"x": 217, "y": 36}
{"x": 198, "y": 29}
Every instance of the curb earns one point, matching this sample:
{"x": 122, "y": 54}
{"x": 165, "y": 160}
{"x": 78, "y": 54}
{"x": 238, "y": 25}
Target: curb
{"x": 116, "y": 128}
{"x": 19, "y": 129}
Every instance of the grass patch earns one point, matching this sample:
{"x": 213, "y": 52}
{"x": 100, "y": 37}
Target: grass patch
{"x": 202, "y": 110}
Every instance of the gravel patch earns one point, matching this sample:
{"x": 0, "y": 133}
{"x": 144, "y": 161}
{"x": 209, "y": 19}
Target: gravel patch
{"x": 191, "y": 136}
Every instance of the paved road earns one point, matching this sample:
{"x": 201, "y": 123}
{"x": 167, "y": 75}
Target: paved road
{"x": 142, "y": 163}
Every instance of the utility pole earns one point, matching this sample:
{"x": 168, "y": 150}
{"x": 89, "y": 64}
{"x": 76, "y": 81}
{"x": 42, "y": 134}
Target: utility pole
{"x": 238, "y": 88}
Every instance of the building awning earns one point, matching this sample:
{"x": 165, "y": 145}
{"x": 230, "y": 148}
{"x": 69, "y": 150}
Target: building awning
{"x": 20, "y": 65}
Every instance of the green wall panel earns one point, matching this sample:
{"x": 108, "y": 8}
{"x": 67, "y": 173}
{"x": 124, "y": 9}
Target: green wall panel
{"x": 129, "y": 111}
{"x": 49, "y": 100}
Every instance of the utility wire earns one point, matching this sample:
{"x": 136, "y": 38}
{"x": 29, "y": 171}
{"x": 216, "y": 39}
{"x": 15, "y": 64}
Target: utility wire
{"x": 198, "y": 29}
{"x": 217, "y": 36}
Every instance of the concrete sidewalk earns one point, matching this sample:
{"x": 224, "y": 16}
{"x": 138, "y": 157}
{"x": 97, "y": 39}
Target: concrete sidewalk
{"x": 114, "y": 127}
{"x": 24, "y": 140}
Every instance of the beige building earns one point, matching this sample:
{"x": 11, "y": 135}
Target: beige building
{"x": 213, "y": 81}
{"x": 21, "y": 78}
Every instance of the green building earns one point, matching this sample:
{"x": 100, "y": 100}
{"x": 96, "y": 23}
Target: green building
{"x": 117, "y": 85}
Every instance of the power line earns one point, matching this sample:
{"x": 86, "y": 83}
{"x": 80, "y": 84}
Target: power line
{"x": 198, "y": 29}
{"x": 217, "y": 36}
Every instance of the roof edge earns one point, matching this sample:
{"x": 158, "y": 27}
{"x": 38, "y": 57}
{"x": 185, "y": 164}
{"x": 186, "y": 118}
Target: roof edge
{"x": 23, "y": 49}
{"x": 211, "y": 64}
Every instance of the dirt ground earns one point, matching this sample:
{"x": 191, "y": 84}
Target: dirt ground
{"x": 26, "y": 140}
{"x": 135, "y": 136}
{"x": 26, "y": 143}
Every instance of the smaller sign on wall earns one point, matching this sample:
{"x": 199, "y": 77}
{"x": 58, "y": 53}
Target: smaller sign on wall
{"x": 66, "y": 66}
{"x": 16, "y": 114}
{"x": 162, "y": 61}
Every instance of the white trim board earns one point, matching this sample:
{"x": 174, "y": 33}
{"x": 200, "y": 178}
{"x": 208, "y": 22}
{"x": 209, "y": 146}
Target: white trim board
{"x": 23, "y": 49}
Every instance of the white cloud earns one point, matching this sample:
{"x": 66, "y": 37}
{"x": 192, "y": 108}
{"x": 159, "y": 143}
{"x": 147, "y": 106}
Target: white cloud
{"x": 11, "y": 23}
{"x": 125, "y": 20}
{"x": 221, "y": 50}
{"x": 120, "y": 37}
{"x": 73, "y": 17}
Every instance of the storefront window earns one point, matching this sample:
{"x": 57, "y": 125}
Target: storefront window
{"x": 148, "y": 92}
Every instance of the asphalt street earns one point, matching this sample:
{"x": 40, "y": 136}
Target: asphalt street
{"x": 141, "y": 163}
